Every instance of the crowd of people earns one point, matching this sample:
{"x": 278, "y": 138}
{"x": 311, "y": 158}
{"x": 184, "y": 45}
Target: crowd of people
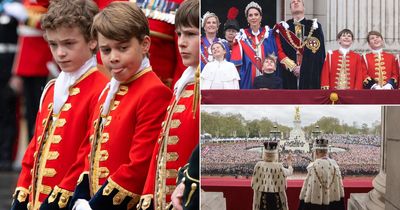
{"x": 361, "y": 156}
{"x": 296, "y": 53}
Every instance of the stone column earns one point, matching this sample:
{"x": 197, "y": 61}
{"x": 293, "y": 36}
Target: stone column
{"x": 392, "y": 194}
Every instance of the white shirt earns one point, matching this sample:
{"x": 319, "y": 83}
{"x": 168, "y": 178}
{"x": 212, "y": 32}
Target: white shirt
{"x": 219, "y": 75}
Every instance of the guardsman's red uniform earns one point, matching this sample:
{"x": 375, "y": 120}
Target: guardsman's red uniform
{"x": 342, "y": 72}
{"x": 380, "y": 68}
{"x": 33, "y": 53}
{"x": 164, "y": 55}
{"x": 177, "y": 139}
{"x": 55, "y": 144}
{"x": 122, "y": 142}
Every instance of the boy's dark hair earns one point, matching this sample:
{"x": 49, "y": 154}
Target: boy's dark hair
{"x": 70, "y": 13}
{"x": 121, "y": 21}
{"x": 188, "y": 14}
{"x": 345, "y": 31}
{"x": 376, "y": 33}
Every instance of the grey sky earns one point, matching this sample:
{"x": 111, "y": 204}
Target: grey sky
{"x": 284, "y": 114}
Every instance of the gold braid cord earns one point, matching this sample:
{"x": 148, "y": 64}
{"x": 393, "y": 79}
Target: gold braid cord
{"x": 196, "y": 90}
{"x": 304, "y": 43}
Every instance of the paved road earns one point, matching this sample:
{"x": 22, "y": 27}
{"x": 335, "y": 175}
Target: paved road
{"x": 8, "y": 181}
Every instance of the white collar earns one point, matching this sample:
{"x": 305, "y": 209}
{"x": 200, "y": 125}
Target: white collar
{"x": 298, "y": 21}
{"x": 114, "y": 86}
{"x": 65, "y": 80}
{"x": 343, "y": 50}
{"x": 187, "y": 77}
{"x": 255, "y": 33}
{"x": 378, "y": 51}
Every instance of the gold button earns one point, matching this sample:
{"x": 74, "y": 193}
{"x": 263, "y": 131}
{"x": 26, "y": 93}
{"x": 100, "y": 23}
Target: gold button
{"x": 63, "y": 199}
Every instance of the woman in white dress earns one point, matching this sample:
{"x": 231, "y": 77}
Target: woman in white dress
{"x": 219, "y": 73}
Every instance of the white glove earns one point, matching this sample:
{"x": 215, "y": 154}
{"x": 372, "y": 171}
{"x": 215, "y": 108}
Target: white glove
{"x": 376, "y": 87}
{"x": 388, "y": 86}
{"x": 81, "y": 204}
{"x": 16, "y": 10}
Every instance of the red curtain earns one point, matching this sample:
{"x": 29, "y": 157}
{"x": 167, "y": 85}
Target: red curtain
{"x": 300, "y": 96}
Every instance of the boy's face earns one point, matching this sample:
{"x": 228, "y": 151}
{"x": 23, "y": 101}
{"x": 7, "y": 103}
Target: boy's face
{"x": 346, "y": 40}
{"x": 211, "y": 25}
{"x": 69, "y": 48}
{"x": 188, "y": 44}
{"x": 268, "y": 66}
{"x": 253, "y": 17}
{"x": 123, "y": 59}
{"x": 375, "y": 42}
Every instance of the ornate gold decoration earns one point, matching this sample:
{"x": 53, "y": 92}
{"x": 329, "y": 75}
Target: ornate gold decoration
{"x": 115, "y": 105}
{"x": 22, "y": 195}
{"x": 74, "y": 91}
{"x": 66, "y": 107}
{"x": 186, "y": 93}
{"x": 172, "y": 140}
{"x": 123, "y": 90}
{"x": 313, "y": 44}
{"x": 49, "y": 172}
{"x": 145, "y": 201}
{"x": 343, "y": 73}
{"x": 53, "y": 155}
{"x": 121, "y": 195}
{"x": 301, "y": 46}
{"x": 175, "y": 123}
{"x": 60, "y": 122}
{"x": 179, "y": 108}
{"x": 56, "y": 139}
{"x": 193, "y": 188}
{"x": 172, "y": 156}
{"x": 105, "y": 137}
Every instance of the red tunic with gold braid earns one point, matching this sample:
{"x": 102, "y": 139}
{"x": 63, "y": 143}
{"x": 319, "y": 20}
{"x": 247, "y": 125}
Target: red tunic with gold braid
{"x": 123, "y": 140}
{"x": 178, "y": 137}
{"x": 342, "y": 72}
{"x": 381, "y": 69}
{"x": 55, "y": 144}
{"x": 33, "y": 52}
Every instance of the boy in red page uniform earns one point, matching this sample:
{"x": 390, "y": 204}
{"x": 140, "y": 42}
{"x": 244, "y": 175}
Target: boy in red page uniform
{"x": 343, "y": 67}
{"x": 65, "y": 107}
{"x": 381, "y": 70}
{"x": 127, "y": 118}
{"x": 180, "y": 132}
